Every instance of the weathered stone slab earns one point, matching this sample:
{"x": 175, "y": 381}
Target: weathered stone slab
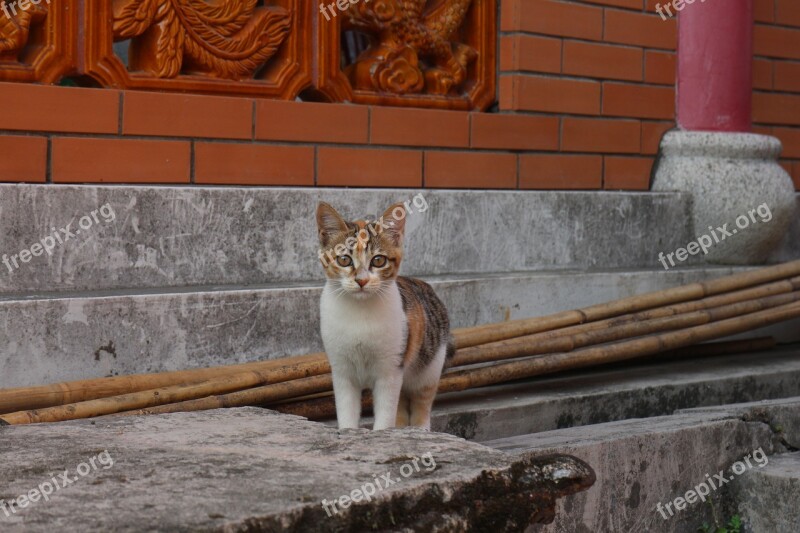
{"x": 642, "y": 464}
{"x": 768, "y": 497}
{"x": 596, "y": 396}
{"x": 182, "y": 236}
{"x": 255, "y": 470}
{"x": 781, "y": 415}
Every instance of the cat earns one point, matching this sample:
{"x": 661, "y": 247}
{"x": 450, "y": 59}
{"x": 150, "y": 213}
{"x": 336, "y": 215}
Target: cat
{"x": 381, "y": 331}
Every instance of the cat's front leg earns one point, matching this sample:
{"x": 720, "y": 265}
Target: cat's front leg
{"x": 386, "y": 396}
{"x": 348, "y": 399}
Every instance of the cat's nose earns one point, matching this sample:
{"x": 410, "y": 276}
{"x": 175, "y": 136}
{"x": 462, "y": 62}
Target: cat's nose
{"x": 362, "y": 282}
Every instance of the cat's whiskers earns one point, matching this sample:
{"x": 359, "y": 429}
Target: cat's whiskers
{"x": 338, "y": 292}
{"x": 383, "y": 294}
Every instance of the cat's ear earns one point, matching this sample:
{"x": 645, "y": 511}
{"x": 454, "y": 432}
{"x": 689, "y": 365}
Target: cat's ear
{"x": 329, "y": 223}
{"x": 394, "y": 223}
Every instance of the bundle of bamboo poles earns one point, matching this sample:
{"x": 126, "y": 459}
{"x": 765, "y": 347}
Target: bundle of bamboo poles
{"x": 639, "y": 326}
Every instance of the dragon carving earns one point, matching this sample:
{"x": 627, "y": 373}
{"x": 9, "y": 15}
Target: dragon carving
{"x": 229, "y": 39}
{"x": 411, "y": 50}
{"x": 15, "y": 26}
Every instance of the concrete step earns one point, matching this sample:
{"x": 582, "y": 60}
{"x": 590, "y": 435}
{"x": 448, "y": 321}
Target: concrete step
{"x": 156, "y": 237}
{"x": 768, "y": 497}
{"x": 781, "y": 415}
{"x": 595, "y": 396}
{"x": 60, "y": 337}
{"x": 125, "y": 237}
{"x": 256, "y": 470}
{"x": 644, "y": 465}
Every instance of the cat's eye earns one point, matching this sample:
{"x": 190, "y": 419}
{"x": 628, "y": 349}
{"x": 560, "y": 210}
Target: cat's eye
{"x": 344, "y": 261}
{"x": 379, "y": 261}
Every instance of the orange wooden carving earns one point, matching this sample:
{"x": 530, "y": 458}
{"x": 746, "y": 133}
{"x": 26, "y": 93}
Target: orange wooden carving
{"x": 37, "y": 43}
{"x": 429, "y": 53}
{"x": 208, "y": 46}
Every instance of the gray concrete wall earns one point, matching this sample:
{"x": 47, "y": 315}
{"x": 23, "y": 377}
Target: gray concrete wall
{"x": 75, "y": 337}
{"x": 189, "y": 236}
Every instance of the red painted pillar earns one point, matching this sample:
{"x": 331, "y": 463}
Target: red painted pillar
{"x": 715, "y": 63}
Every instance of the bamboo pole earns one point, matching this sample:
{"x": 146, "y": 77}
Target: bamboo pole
{"x": 321, "y": 408}
{"x": 760, "y": 344}
{"x": 320, "y": 405}
{"x": 164, "y": 395}
{"x": 517, "y": 328}
{"x": 531, "y": 345}
{"x": 255, "y": 396}
{"x": 202, "y": 398}
{"x": 77, "y": 391}
{"x": 712, "y": 349}
{"x": 523, "y": 346}
{"x": 621, "y": 351}
{"x": 21, "y": 398}
{"x": 771, "y": 289}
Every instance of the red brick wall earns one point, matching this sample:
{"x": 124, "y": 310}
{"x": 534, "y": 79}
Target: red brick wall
{"x": 776, "y": 77}
{"x": 585, "y": 93}
{"x": 605, "y": 70}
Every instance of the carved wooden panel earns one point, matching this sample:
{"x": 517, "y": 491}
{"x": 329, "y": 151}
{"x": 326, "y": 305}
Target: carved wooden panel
{"x": 245, "y": 47}
{"x": 37, "y": 41}
{"x": 426, "y": 53}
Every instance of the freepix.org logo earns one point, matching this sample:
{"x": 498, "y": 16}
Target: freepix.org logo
{"x": 12, "y": 9}
{"x": 57, "y": 482}
{"x": 47, "y": 244}
{"x": 677, "y": 5}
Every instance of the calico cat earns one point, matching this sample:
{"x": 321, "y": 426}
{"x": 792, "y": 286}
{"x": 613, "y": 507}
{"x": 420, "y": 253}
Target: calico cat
{"x": 381, "y": 331}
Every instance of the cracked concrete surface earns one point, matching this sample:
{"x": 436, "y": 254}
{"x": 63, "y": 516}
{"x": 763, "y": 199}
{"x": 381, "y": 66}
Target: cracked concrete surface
{"x": 256, "y": 470}
{"x": 641, "y": 463}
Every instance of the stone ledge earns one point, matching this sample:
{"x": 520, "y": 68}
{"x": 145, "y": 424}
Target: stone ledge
{"x": 256, "y": 470}
{"x": 781, "y": 415}
{"x": 596, "y": 396}
{"x": 641, "y": 463}
{"x": 183, "y": 236}
{"x": 61, "y": 339}
{"x": 767, "y": 497}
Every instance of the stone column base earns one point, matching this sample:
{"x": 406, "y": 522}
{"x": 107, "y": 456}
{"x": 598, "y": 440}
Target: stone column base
{"x": 743, "y": 200}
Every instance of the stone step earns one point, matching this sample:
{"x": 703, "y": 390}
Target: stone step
{"x": 768, "y": 497}
{"x": 140, "y": 237}
{"x": 93, "y": 334}
{"x": 765, "y": 498}
{"x": 644, "y": 465}
{"x": 256, "y": 470}
{"x": 595, "y": 396}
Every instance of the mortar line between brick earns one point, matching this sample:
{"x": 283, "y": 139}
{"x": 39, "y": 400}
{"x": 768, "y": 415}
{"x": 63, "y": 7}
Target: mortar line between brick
{"x": 191, "y": 162}
{"x": 253, "y": 123}
{"x": 120, "y": 112}
{"x": 48, "y": 178}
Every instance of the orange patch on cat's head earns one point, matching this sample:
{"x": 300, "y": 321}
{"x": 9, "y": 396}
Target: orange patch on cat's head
{"x": 353, "y": 252}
